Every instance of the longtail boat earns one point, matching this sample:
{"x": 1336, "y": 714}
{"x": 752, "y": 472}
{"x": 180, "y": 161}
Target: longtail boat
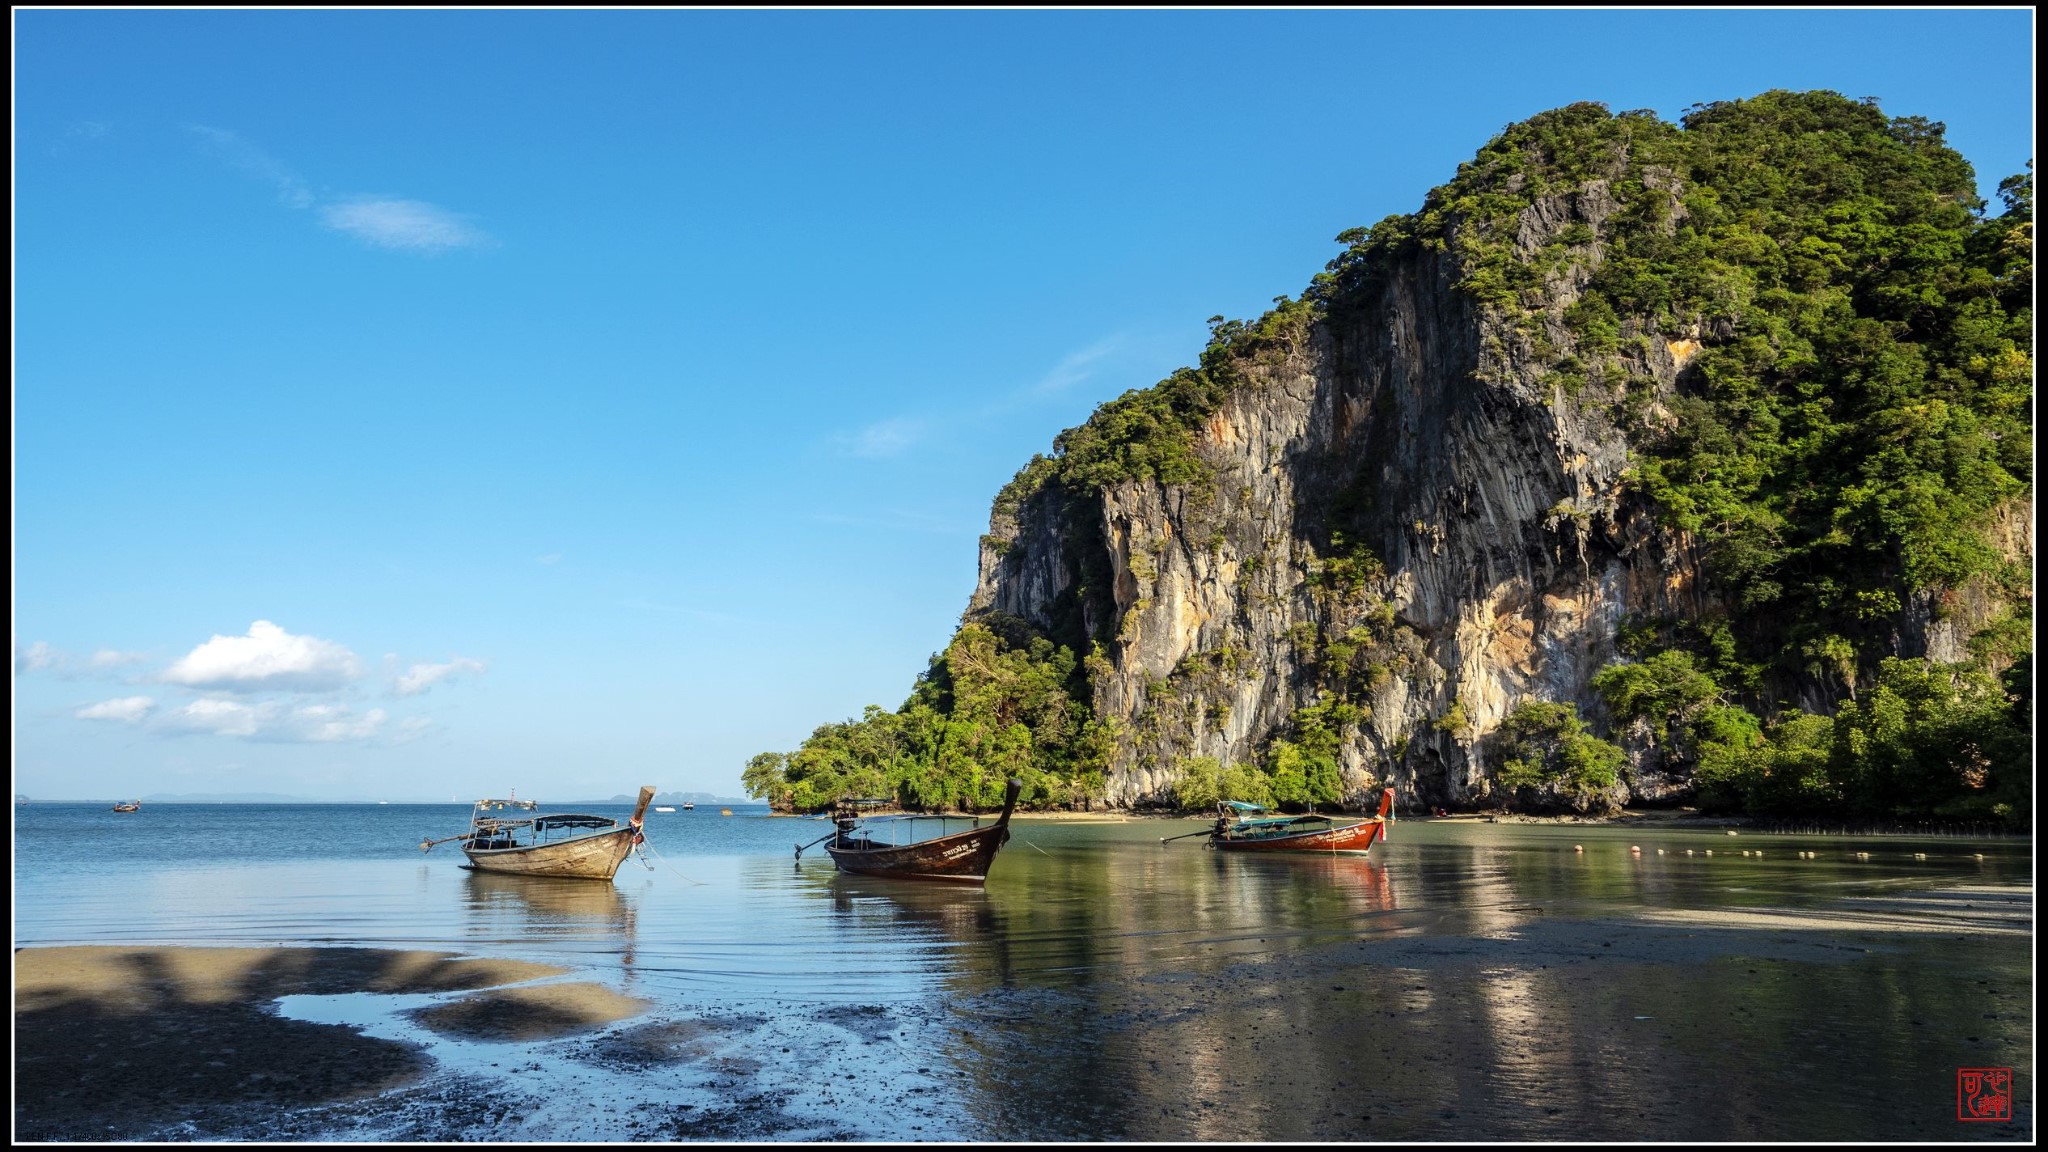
{"x": 128, "y": 806}
{"x": 877, "y": 845}
{"x": 568, "y": 845}
{"x": 1242, "y": 827}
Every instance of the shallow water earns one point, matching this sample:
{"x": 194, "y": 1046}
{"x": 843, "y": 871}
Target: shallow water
{"x": 1464, "y": 981}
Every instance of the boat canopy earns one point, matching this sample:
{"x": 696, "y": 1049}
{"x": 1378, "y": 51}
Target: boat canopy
{"x": 573, "y": 821}
{"x": 1241, "y": 806}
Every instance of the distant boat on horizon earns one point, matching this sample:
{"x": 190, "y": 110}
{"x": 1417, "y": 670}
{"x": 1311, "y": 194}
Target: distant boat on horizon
{"x": 664, "y": 808}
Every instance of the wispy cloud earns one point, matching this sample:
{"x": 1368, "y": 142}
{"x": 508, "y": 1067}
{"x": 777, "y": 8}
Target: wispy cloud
{"x": 882, "y": 438}
{"x": 549, "y": 558}
{"x": 330, "y": 724}
{"x": 268, "y": 658}
{"x": 41, "y": 657}
{"x": 407, "y": 225}
{"x": 382, "y": 221}
{"x": 1075, "y": 368}
{"x": 254, "y": 162}
{"x": 421, "y": 677}
{"x": 217, "y": 717}
{"x": 274, "y": 722}
{"x": 38, "y": 657}
{"x": 127, "y": 710}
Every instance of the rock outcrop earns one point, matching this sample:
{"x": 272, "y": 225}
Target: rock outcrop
{"x": 1425, "y": 430}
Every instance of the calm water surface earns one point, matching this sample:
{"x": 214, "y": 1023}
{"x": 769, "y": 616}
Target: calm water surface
{"x": 1464, "y": 981}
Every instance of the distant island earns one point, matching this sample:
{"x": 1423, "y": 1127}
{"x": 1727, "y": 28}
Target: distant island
{"x": 685, "y": 798}
{"x": 226, "y": 798}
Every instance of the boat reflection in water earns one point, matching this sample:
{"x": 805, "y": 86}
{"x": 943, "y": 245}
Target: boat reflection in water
{"x": 958, "y": 933}
{"x": 597, "y": 918}
{"x": 1330, "y": 884}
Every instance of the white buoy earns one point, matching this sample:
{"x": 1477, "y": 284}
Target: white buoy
{"x": 1578, "y": 848}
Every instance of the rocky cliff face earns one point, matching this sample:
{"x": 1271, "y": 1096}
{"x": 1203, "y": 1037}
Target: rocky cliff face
{"x": 1424, "y": 526}
{"x": 1428, "y": 431}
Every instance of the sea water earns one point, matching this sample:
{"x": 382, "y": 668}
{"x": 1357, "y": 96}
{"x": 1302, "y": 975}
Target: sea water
{"x": 1462, "y": 981}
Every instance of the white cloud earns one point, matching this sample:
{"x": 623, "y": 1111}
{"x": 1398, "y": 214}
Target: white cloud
{"x": 38, "y": 657}
{"x": 267, "y": 658}
{"x": 255, "y": 162}
{"x": 409, "y": 225}
{"x": 550, "y": 558}
{"x": 326, "y": 724}
{"x": 219, "y": 717}
{"x": 127, "y": 710}
{"x": 421, "y": 677}
{"x": 383, "y": 221}
{"x": 273, "y": 722}
{"x": 1075, "y": 368}
{"x": 883, "y": 438}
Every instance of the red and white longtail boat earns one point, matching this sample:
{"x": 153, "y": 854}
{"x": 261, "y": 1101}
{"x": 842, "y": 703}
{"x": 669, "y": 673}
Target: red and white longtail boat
{"x": 1242, "y": 827}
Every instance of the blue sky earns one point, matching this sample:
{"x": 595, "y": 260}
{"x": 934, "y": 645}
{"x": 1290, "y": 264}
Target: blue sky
{"x": 420, "y": 404}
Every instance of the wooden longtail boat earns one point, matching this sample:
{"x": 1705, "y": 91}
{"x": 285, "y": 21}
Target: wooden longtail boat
{"x": 1240, "y": 829}
{"x": 128, "y": 806}
{"x": 567, "y": 845}
{"x": 865, "y": 843}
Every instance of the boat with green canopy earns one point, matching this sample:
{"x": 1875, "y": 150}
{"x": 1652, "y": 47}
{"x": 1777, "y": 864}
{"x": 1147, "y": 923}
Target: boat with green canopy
{"x": 1242, "y": 827}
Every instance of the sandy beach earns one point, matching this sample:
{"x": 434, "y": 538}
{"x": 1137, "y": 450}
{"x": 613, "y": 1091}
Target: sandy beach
{"x": 120, "y": 1043}
{"x": 186, "y": 1043}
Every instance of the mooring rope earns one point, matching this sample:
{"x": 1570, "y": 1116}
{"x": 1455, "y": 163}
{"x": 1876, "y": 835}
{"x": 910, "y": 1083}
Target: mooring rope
{"x": 649, "y": 849}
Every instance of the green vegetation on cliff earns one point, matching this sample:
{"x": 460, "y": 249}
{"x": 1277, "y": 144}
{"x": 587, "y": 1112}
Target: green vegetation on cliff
{"x": 1852, "y": 416}
{"x": 997, "y": 703}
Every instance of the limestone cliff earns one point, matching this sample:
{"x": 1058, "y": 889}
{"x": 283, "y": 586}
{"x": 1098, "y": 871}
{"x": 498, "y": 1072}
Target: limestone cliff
{"x": 1495, "y": 502}
{"x": 1400, "y": 495}
{"x": 1612, "y": 474}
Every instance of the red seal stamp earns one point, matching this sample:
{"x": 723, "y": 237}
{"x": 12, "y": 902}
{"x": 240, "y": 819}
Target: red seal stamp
{"x": 1984, "y": 1094}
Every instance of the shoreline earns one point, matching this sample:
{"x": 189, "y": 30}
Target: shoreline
{"x": 187, "y": 1043}
{"x": 122, "y": 1042}
{"x": 1678, "y": 819}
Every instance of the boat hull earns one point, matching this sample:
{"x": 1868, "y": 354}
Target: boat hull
{"x": 1355, "y": 838}
{"x": 962, "y": 858}
{"x": 585, "y": 858}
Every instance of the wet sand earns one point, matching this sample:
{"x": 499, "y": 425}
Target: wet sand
{"x": 1347, "y": 1041}
{"x": 121, "y": 1043}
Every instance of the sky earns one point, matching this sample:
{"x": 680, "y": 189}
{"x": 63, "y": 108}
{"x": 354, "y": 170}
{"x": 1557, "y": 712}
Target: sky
{"x": 424, "y": 404}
